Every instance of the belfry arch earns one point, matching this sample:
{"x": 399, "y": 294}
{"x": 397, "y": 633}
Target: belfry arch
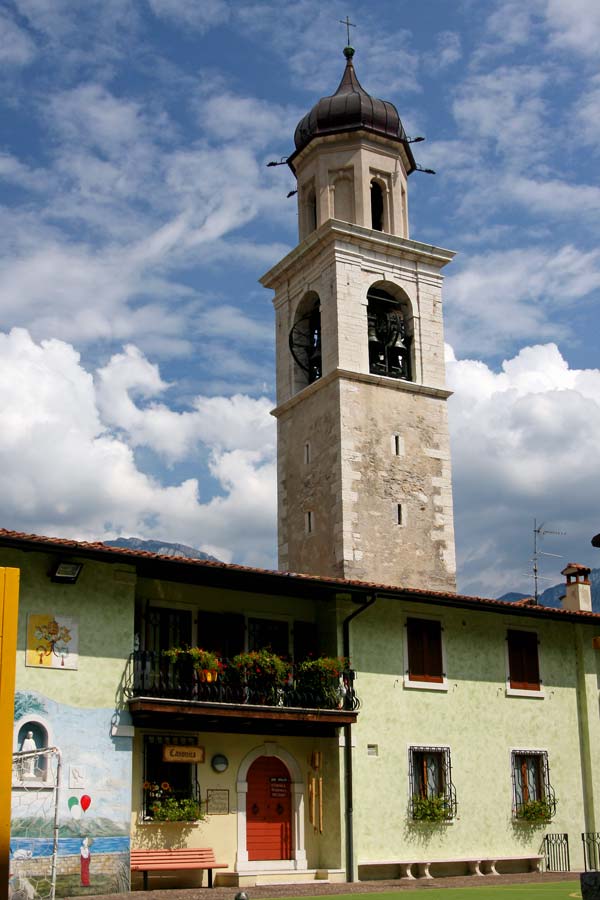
{"x": 305, "y": 341}
{"x": 390, "y": 327}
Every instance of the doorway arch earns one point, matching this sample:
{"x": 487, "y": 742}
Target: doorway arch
{"x": 297, "y": 851}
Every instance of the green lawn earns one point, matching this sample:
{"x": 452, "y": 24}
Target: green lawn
{"x": 554, "y": 890}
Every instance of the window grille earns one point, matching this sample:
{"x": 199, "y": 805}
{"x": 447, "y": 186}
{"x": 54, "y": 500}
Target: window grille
{"x": 531, "y": 782}
{"x": 591, "y": 850}
{"x": 430, "y": 778}
{"x": 163, "y": 779}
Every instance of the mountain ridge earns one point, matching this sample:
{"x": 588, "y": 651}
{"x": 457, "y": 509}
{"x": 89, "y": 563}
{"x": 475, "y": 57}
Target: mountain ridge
{"x": 164, "y": 548}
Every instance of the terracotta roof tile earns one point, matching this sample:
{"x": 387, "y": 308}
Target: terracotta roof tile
{"x": 15, "y": 538}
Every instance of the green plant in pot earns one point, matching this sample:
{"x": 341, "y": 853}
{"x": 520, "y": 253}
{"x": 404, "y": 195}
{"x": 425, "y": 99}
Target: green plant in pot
{"x": 262, "y": 672}
{"x": 535, "y": 812}
{"x": 430, "y": 809}
{"x": 207, "y": 664}
{"x": 172, "y": 809}
{"x": 320, "y": 678}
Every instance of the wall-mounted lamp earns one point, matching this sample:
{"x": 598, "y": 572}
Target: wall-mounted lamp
{"x": 66, "y": 572}
{"x": 219, "y": 762}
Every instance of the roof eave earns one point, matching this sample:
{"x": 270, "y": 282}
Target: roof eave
{"x": 411, "y": 167}
{"x": 243, "y": 578}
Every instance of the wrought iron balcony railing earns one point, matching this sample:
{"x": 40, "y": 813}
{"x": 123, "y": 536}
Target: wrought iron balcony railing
{"x": 152, "y": 674}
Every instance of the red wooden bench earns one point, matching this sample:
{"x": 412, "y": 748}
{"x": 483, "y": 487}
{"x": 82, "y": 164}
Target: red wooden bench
{"x": 162, "y": 860}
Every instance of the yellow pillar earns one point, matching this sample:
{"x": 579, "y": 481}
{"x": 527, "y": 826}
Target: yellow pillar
{"x": 9, "y": 611}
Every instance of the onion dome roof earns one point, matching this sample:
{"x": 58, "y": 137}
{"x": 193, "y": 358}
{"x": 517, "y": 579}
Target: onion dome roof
{"x": 351, "y": 108}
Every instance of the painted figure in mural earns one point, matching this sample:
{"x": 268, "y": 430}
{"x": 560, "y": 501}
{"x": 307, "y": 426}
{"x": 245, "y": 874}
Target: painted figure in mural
{"x": 84, "y": 853}
{"x": 28, "y": 765}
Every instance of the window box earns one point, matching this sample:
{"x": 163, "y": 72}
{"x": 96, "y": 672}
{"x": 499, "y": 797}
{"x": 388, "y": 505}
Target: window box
{"x": 432, "y": 794}
{"x": 171, "y": 792}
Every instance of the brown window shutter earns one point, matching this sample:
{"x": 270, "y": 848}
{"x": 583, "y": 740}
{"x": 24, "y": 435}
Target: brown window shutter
{"x": 424, "y": 650}
{"x": 523, "y": 662}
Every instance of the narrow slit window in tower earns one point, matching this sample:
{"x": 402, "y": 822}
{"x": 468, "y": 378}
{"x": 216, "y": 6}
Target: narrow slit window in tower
{"x": 399, "y": 516}
{"x": 307, "y": 453}
{"x": 376, "y": 206}
{"x": 311, "y": 210}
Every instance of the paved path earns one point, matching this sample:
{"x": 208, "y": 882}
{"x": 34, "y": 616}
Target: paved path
{"x": 316, "y": 889}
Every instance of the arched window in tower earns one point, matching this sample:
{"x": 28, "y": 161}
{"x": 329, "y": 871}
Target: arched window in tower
{"x": 376, "y": 206}
{"x": 390, "y": 337}
{"x": 305, "y": 341}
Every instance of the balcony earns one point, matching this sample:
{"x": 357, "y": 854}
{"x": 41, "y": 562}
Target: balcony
{"x": 234, "y": 701}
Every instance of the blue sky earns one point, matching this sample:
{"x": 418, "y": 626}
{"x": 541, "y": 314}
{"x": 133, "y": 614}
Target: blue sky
{"x": 137, "y": 213}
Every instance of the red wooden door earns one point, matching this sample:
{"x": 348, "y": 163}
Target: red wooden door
{"x": 268, "y": 810}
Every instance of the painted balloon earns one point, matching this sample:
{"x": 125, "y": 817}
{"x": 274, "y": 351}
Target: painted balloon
{"x": 73, "y": 801}
{"x": 85, "y": 802}
{"x": 76, "y": 812}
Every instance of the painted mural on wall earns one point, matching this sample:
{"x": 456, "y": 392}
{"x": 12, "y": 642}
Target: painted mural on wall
{"x": 92, "y": 799}
{"x": 52, "y": 641}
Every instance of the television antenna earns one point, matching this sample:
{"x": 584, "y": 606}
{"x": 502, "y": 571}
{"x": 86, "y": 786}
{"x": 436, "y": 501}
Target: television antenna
{"x": 538, "y": 533}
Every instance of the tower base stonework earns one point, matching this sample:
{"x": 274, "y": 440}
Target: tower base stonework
{"x": 364, "y": 463}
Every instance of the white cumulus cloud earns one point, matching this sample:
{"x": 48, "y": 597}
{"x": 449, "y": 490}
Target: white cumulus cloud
{"x": 68, "y": 467}
{"x": 524, "y": 444}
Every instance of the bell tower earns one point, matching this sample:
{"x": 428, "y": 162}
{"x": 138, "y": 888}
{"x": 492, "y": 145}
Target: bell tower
{"x": 364, "y": 481}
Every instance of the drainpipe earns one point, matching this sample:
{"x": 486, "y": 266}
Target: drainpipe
{"x": 348, "y": 750}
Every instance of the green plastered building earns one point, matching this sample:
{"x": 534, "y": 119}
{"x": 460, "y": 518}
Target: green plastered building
{"x": 428, "y": 710}
{"x": 350, "y": 715}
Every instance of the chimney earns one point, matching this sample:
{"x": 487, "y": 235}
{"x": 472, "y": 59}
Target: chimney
{"x": 579, "y": 592}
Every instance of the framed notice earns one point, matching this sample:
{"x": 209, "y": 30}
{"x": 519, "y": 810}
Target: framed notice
{"x": 217, "y": 802}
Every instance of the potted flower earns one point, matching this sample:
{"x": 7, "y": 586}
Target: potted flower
{"x": 320, "y": 680}
{"x": 535, "y": 812}
{"x": 262, "y": 673}
{"x": 207, "y": 664}
{"x": 162, "y": 806}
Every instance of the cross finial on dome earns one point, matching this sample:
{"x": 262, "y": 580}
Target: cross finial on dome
{"x": 348, "y": 50}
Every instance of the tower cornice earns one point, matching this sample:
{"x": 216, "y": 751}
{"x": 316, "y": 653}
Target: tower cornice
{"x": 393, "y": 384}
{"x": 333, "y": 229}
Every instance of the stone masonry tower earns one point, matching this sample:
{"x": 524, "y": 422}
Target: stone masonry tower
{"x": 364, "y": 483}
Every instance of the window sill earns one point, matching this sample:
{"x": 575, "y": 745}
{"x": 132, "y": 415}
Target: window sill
{"x": 169, "y": 821}
{"x": 519, "y": 692}
{"x": 423, "y": 823}
{"x": 426, "y": 685}
{"x": 32, "y": 784}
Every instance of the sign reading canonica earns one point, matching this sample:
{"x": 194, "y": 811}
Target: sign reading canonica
{"x": 52, "y": 641}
